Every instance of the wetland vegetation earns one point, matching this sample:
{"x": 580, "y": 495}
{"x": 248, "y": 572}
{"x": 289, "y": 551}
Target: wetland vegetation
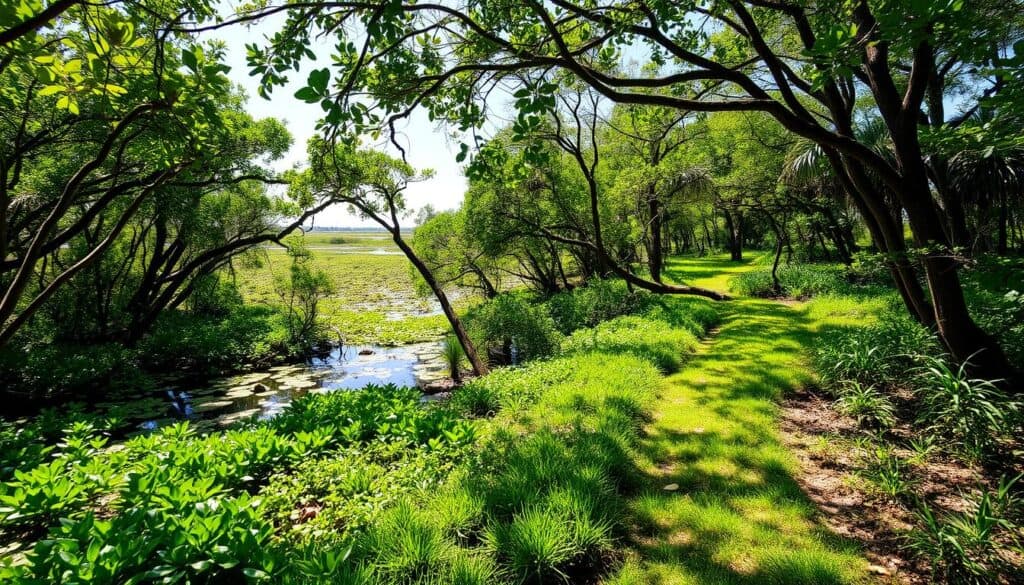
{"x": 734, "y": 293}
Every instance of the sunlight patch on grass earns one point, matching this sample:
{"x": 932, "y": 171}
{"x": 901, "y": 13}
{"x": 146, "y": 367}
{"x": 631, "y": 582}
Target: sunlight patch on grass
{"x": 738, "y": 515}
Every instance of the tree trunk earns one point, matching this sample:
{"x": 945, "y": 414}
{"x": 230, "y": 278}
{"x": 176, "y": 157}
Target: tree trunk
{"x": 479, "y": 366}
{"x": 654, "y": 248}
{"x": 735, "y": 235}
{"x": 776, "y": 283}
{"x": 963, "y": 338}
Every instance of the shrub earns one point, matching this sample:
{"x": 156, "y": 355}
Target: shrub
{"x": 510, "y": 320}
{"x": 969, "y": 414}
{"x": 994, "y": 294}
{"x": 55, "y": 370}
{"x": 797, "y": 280}
{"x": 696, "y": 315}
{"x": 598, "y": 301}
{"x": 184, "y": 341}
{"x": 477, "y": 398}
{"x": 870, "y": 268}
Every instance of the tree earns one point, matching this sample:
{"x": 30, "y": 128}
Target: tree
{"x": 645, "y": 157}
{"x": 373, "y": 184}
{"x": 100, "y": 109}
{"x": 301, "y": 293}
{"x": 452, "y": 256}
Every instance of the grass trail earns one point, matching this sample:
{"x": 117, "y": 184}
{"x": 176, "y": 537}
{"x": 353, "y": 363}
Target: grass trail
{"x": 733, "y": 513}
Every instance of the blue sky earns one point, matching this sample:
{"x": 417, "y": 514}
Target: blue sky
{"x": 427, "y": 146}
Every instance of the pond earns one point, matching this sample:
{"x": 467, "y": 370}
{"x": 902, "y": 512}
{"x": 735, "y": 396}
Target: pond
{"x": 218, "y": 402}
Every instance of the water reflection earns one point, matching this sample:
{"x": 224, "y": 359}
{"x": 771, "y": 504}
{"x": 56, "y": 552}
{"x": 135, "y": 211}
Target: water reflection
{"x": 222, "y": 401}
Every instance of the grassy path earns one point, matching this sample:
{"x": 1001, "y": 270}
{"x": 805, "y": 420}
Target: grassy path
{"x": 722, "y": 504}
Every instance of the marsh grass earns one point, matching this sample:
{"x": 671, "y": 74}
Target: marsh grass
{"x": 454, "y": 356}
{"x": 375, "y": 299}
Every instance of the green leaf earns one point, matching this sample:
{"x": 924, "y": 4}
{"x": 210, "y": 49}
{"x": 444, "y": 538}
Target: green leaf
{"x": 189, "y": 59}
{"x": 308, "y": 95}
{"x": 318, "y": 79}
{"x": 50, "y": 90}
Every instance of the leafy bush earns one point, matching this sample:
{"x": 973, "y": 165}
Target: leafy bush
{"x": 184, "y": 341}
{"x": 598, "y": 301}
{"x": 510, "y": 319}
{"x": 969, "y": 414}
{"x": 966, "y": 547}
{"x": 870, "y": 268}
{"x": 995, "y": 295}
{"x": 53, "y": 370}
{"x": 656, "y": 341}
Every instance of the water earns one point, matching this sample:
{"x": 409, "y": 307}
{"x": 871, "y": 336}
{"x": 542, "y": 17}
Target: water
{"x": 219, "y": 402}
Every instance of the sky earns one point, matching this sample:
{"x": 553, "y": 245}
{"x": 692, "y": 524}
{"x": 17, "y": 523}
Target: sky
{"x": 427, "y": 144}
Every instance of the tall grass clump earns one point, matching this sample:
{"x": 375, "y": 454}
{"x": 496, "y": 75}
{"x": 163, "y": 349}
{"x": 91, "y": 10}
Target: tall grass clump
{"x": 871, "y": 408}
{"x": 454, "y": 356}
{"x": 970, "y": 414}
{"x": 967, "y": 547}
{"x": 878, "y": 354}
{"x": 545, "y": 497}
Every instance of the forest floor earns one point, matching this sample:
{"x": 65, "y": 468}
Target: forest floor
{"x": 724, "y": 501}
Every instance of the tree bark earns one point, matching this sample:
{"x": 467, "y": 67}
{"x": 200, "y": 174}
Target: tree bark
{"x": 479, "y": 366}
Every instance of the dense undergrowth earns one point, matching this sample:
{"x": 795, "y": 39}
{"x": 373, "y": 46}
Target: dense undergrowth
{"x": 243, "y": 337}
{"x": 519, "y": 478}
{"x": 604, "y": 315}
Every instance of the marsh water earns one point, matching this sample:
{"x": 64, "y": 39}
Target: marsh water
{"x": 218, "y": 402}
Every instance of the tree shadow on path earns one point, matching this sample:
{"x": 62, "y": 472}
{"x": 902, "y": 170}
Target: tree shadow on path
{"x": 733, "y": 511}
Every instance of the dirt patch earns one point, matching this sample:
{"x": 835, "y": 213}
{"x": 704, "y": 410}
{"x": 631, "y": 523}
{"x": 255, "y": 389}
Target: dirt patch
{"x": 831, "y": 449}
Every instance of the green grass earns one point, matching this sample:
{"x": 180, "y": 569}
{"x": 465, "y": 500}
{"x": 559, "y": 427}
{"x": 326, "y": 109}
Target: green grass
{"x": 737, "y": 514}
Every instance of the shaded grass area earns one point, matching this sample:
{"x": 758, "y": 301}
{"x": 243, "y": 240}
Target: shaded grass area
{"x": 733, "y": 511}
